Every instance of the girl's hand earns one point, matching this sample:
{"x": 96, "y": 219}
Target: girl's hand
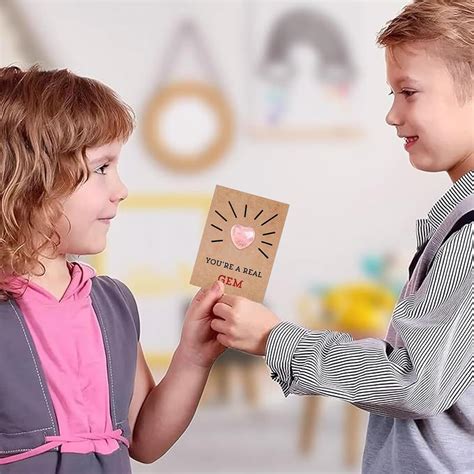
{"x": 243, "y": 324}
{"x": 199, "y": 345}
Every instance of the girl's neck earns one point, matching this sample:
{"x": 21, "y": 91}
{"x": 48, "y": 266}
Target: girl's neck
{"x": 56, "y": 278}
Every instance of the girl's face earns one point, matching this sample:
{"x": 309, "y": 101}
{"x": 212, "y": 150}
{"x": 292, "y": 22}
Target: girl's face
{"x": 425, "y": 108}
{"x": 92, "y": 206}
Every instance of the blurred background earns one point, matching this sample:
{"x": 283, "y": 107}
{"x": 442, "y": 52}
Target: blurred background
{"x": 286, "y": 100}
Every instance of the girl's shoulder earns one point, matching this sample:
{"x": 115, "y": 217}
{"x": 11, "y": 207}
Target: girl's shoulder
{"x": 106, "y": 286}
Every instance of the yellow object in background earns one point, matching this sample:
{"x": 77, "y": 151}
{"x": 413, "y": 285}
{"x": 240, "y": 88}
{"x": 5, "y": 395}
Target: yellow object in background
{"x": 362, "y": 309}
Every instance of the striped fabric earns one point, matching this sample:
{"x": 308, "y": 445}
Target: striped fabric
{"x": 424, "y": 367}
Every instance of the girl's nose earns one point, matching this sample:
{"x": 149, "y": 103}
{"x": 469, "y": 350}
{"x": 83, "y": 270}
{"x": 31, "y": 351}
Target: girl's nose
{"x": 120, "y": 193}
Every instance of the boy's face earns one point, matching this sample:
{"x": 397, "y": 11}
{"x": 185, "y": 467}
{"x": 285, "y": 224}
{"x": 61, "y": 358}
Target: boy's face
{"x": 425, "y": 108}
{"x": 91, "y": 207}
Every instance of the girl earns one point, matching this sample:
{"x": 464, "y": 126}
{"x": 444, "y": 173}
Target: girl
{"x": 76, "y": 394}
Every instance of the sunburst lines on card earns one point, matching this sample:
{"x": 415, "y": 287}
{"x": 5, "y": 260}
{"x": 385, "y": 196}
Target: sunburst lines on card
{"x": 263, "y": 253}
{"x": 266, "y": 234}
{"x": 268, "y": 220}
{"x": 232, "y": 207}
{"x": 239, "y": 231}
{"x": 220, "y": 215}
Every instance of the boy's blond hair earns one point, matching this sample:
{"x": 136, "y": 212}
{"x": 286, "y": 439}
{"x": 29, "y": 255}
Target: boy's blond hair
{"x": 446, "y": 27}
{"x": 47, "y": 121}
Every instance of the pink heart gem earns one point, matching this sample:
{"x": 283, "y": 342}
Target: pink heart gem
{"x": 242, "y": 236}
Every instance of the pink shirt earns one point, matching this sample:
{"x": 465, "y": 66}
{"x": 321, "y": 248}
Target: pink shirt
{"x": 70, "y": 346}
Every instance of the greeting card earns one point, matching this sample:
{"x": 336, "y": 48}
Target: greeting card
{"x": 239, "y": 242}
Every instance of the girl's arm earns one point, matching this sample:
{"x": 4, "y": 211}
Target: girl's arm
{"x": 160, "y": 414}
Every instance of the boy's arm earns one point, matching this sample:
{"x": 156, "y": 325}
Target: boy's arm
{"x": 421, "y": 379}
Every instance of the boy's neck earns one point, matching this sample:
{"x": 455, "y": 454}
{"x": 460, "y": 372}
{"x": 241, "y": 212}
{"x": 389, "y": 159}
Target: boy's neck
{"x": 462, "y": 167}
{"x": 56, "y": 278}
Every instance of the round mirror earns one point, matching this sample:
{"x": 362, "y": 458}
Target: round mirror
{"x": 188, "y": 126}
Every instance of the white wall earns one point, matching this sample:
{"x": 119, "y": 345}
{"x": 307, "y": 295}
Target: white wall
{"x": 346, "y": 198}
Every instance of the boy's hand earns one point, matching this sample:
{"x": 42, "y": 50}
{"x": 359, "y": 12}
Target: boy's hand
{"x": 243, "y": 324}
{"x": 199, "y": 344}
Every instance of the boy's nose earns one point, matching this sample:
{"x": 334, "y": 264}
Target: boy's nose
{"x": 392, "y": 118}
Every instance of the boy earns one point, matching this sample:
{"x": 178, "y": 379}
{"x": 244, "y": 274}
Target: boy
{"x": 417, "y": 382}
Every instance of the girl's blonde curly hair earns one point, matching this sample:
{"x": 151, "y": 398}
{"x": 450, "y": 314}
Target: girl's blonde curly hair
{"x": 47, "y": 121}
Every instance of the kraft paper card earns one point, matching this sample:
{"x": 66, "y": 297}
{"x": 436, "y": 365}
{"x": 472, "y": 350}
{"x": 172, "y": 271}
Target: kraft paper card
{"x": 239, "y": 242}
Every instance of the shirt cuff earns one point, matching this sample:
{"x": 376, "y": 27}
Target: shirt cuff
{"x": 281, "y": 345}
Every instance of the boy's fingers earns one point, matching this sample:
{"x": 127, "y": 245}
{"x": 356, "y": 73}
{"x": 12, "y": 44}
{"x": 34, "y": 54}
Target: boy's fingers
{"x": 218, "y": 325}
{"x": 222, "y": 310}
{"x": 229, "y": 299}
{"x": 223, "y": 339}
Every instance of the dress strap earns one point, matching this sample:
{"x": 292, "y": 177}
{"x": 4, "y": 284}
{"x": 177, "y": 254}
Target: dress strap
{"x": 55, "y": 441}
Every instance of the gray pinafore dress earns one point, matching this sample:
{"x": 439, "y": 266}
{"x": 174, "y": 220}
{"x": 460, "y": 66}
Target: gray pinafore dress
{"x": 27, "y": 419}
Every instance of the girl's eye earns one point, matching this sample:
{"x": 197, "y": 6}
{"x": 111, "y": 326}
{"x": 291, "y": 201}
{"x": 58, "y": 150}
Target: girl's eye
{"x": 102, "y": 169}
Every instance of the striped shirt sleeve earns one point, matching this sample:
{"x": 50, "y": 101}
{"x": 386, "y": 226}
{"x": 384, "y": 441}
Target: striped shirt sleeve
{"x": 419, "y": 380}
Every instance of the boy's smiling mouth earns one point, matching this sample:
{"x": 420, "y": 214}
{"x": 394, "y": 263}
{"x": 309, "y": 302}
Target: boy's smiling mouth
{"x": 410, "y": 140}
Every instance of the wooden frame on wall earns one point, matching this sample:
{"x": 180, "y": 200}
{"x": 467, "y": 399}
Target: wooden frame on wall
{"x": 212, "y": 97}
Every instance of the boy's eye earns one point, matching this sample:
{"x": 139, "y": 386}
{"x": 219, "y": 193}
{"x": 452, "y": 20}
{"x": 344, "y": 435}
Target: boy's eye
{"x": 102, "y": 169}
{"x": 406, "y": 93}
